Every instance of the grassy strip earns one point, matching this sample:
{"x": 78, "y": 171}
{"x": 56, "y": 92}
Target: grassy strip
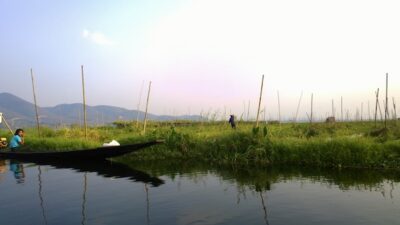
{"x": 331, "y": 145}
{"x": 246, "y": 148}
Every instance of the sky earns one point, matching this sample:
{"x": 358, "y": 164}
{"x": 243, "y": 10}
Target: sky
{"x": 203, "y": 56}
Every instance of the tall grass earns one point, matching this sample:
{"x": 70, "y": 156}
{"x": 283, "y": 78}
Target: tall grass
{"x": 340, "y": 145}
{"x": 357, "y": 144}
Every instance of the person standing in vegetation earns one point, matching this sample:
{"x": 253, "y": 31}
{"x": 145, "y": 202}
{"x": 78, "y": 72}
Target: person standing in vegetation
{"x": 17, "y": 140}
{"x": 232, "y": 121}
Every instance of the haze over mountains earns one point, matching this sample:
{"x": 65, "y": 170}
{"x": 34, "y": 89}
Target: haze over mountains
{"x": 21, "y": 113}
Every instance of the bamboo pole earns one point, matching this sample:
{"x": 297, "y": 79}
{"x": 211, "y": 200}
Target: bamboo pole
{"x": 259, "y": 100}
{"x": 369, "y": 112}
{"x": 244, "y": 110}
{"x": 333, "y": 108}
{"x": 341, "y": 108}
{"x": 362, "y": 111}
{"x": 279, "y": 108}
{"x": 138, "y": 105}
{"x": 386, "y": 102}
{"x": 5, "y": 122}
{"x": 147, "y": 105}
{"x": 311, "y": 115}
{"x": 298, "y": 107}
{"x": 248, "y": 111}
{"x": 34, "y": 100}
{"x": 357, "y": 116}
{"x": 84, "y": 101}
{"x": 395, "y": 111}
{"x": 376, "y": 105}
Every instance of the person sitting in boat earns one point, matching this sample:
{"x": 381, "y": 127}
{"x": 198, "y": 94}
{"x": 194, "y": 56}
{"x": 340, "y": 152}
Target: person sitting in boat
{"x": 17, "y": 140}
{"x": 232, "y": 121}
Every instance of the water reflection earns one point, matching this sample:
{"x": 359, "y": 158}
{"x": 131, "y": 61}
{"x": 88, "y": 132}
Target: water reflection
{"x": 83, "y": 222}
{"x": 198, "y": 193}
{"x": 313, "y": 183}
{"x": 104, "y": 168}
{"x": 41, "y": 195}
{"x": 3, "y": 166}
{"x": 18, "y": 169}
{"x": 262, "y": 179}
{"x": 3, "y": 169}
{"x": 147, "y": 205}
{"x": 264, "y": 205}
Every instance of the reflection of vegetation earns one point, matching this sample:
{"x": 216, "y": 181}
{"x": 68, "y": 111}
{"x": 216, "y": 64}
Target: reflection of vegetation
{"x": 329, "y": 145}
{"x": 262, "y": 178}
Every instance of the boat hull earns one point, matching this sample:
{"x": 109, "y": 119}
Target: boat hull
{"x": 92, "y": 154}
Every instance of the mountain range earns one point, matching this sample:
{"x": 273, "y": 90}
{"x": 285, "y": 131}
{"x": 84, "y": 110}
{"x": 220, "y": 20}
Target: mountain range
{"x": 21, "y": 113}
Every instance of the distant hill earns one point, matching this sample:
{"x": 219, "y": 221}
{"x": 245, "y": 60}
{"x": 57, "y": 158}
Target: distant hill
{"x": 21, "y": 113}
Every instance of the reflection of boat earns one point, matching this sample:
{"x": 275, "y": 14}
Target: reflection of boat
{"x": 103, "y": 168}
{"x": 92, "y": 154}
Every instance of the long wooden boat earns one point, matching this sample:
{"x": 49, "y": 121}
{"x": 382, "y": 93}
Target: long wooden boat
{"x": 92, "y": 154}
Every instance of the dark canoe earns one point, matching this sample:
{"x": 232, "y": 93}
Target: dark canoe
{"x": 92, "y": 154}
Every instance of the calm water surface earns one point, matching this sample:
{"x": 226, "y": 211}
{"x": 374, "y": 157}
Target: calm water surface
{"x": 187, "y": 193}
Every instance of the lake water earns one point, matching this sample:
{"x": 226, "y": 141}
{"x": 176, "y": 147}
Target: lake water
{"x": 191, "y": 193}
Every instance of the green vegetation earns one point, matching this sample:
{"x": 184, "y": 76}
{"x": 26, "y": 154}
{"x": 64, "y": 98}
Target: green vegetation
{"x": 353, "y": 144}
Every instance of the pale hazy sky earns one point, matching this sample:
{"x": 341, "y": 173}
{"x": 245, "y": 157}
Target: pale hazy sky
{"x": 202, "y": 54}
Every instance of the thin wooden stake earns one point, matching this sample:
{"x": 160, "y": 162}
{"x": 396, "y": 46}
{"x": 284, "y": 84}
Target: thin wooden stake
{"x": 5, "y": 122}
{"x": 34, "y": 100}
{"x": 369, "y": 112}
{"x": 138, "y": 105}
{"x": 386, "y": 102}
{"x": 394, "y": 110}
{"x": 298, "y": 107}
{"x": 311, "y": 115}
{"x": 357, "y": 117}
{"x": 341, "y": 108}
{"x": 84, "y": 102}
{"x": 362, "y": 110}
{"x": 248, "y": 111}
{"x": 259, "y": 100}
{"x": 279, "y": 108}
{"x": 244, "y": 110}
{"x": 147, "y": 105}
{"x": 376, "y": 105}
